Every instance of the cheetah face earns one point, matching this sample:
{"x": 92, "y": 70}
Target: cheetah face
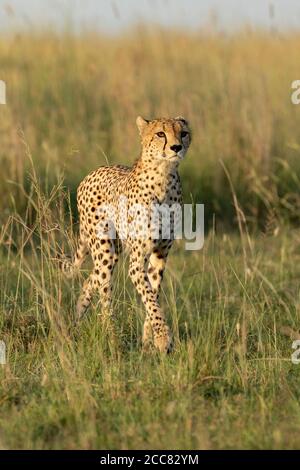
{"x": 164, "y": 139}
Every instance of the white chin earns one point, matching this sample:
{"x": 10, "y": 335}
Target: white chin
{"x": 174, "y": 158}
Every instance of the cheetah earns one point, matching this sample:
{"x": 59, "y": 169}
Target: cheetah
{"x": 153, "y": 179}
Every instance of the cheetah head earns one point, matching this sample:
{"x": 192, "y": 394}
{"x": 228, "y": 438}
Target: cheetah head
{"x": 164, "y": 139}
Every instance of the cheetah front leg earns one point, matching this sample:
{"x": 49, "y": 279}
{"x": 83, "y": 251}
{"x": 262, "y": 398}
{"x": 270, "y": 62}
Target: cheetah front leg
{"x": 155, "y": 319}
{"x": 156, "y": 267}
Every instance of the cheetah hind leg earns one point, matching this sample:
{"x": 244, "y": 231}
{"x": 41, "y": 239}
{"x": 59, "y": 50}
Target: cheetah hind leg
{"x": 105, "y": 258}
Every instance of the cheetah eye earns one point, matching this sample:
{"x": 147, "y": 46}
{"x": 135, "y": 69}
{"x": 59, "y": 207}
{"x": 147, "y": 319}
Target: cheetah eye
{"x": 184, "y": 134}
{"x": 161, "y": 134}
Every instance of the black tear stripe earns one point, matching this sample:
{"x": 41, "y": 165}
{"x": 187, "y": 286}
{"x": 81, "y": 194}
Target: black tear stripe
{"x": 174, "y": 130}
{"x": 165, "y": 136}
{"x": 165, "y": 142}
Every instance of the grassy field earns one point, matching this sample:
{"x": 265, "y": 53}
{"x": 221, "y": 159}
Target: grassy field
{"x": 234, "y": 306}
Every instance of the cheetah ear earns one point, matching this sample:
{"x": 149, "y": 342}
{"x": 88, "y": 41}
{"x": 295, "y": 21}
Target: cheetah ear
{"x": 182, "y": 119}
{"x": 141, "y": 124}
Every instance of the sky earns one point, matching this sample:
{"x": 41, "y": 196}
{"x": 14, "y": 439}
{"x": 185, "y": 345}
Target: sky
{"x": 115, "y": 15}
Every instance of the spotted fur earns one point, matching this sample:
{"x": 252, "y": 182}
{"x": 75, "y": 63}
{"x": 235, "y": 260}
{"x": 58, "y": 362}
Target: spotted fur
{"x": 152, "y": 179}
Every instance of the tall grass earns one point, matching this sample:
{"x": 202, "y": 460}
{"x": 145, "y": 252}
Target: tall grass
{"x": 72, "y": 104}
{"x": 229, "y": 383}
{"x": 76, "y": 100}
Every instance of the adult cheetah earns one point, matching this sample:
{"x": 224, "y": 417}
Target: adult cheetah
{"x": 152, "y": 180}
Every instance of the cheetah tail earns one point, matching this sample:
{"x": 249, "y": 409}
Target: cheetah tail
{"x": 66, "y": 265}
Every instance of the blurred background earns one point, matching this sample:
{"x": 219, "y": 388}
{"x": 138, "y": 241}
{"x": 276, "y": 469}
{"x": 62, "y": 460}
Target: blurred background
{"x": 79, "y": 72}
{"x": 113, "y": 16}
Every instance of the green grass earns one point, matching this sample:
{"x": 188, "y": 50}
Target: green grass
{"x": 230, "y": 382}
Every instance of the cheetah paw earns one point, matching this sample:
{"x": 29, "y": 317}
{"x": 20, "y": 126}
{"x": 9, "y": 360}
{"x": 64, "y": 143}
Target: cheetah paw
{"x": 163, "y": 341}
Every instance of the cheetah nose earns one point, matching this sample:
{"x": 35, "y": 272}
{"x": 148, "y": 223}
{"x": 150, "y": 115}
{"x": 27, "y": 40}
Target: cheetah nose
{"x": 176, "y": 148}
